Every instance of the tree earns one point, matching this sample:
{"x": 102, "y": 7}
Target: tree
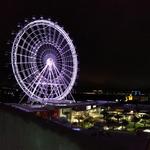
{"x": 118, "y": 117}
{"x": 79, "y": 118}
{"x": 112, "y": 123}
{"x": 135, "y": 120}
{"x": 124, "y": 123}
{"x": 105, "y": 114}
{"x": 145, "y": 118}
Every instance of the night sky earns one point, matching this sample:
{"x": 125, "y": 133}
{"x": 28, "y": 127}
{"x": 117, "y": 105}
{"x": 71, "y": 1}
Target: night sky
{"x": 112, "y": 38}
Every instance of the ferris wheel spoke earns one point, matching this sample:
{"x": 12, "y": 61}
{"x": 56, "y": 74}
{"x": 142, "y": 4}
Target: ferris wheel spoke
{"x": 57, "y": 39}
{"x": 49, "y": 80}
{"x": 34, "y": 32}
{"x": 54, "y": 35}
{"x": 49, "y": 34}
{"x": 27, "y": 63}
{"x": 65, "y": 75}
{"x": 32, "y": 74}
{"x": 61, "y": 43}
{"x": 64, "y": 69}
{"x": 58, "y": 82}
{"x": 65, "y": 64}
{"x": 55, "y": 82}
{"x": 25, "y": 49}
{"x": 45, "y": 32}
{"x": 24, "y": 70}
{"x": 64, "y": 57}
{"x": 68, "y": 66}
{"x": 26, "y": 56}
{"x": 64, "y": 82}
{"x": 32, "y": 39}
{"x": 68, "y": 50}
{"x": 27, "y": 43}
{"x": 40, "y": 77}
{"x": 54, "y": 90}
{"x": 60, "y": 75}
{"x": 58, "y": 57}
{"x": 51, "y": 85}
{"x": 42, "y": 71}
{"x": 63, "y": 61}
{"x": 40, "y": 32}
{"x": 35, "y": 42}
{"x": 59, "y": 85}
{"x": 29, "y": 35}
{"x": 42, "y": 90}
{"x": 63, "y": 53}
{"x": 36, "y": 87}
{"x": 51, "y": 95}
{"x": 36, "y": 78}
{"x": 49, "y": 76}
{"x": 64, "y": 46}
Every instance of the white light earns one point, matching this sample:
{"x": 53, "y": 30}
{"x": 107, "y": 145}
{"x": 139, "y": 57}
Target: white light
{"x": 49, "y": 62}
{"x": 76, "y": 129}
{"x": 88, "y": 107}
{"x": 106, "y": 128}
{"x": 131, "y": 112}
{"x": 146, "y": 130}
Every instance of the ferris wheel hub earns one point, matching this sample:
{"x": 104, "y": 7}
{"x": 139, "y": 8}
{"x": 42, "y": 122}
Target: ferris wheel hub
{"x": 49, "y": 62}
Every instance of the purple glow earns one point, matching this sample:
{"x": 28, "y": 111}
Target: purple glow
{"x": 49, "y": 63}
{"x": 44, "y": 61}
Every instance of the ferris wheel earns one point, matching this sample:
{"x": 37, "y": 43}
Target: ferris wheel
{"x": 44, "y": 61}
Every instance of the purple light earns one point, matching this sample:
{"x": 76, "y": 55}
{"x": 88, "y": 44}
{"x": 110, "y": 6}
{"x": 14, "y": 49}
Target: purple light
{"x": 49, "y": 63}
{"x": 44, "y": 61}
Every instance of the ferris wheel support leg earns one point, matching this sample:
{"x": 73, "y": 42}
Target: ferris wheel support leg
{"x": 22, "y": 99}
{"x": 72, "y": 98}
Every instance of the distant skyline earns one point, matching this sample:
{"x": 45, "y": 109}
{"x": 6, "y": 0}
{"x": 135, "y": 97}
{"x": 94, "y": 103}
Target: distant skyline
{"x": 112, "y": 38}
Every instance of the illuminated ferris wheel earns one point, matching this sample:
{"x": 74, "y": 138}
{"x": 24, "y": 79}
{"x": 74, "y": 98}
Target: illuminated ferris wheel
{"x": 44, "y": 61}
